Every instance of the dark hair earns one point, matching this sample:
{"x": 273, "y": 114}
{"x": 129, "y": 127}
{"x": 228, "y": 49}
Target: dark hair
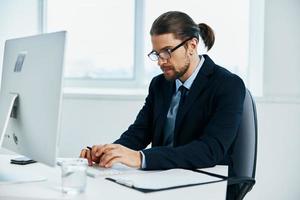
{"x": 183, "y": 27}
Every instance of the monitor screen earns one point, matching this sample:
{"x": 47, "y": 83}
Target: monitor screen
{"x": 31, "y": 95}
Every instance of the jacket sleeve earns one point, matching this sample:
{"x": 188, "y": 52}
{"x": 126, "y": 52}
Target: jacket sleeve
{"x": 219, "y": 133}
{"x": 139, "y": 134}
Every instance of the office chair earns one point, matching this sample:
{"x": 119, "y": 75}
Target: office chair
{"x": 242, "y": 154}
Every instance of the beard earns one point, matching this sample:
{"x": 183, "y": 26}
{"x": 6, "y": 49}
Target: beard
{"x": 177, "y": 73}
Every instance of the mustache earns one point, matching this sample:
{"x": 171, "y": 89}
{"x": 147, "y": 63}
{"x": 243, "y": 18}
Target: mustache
{"x": 166, "y": 67}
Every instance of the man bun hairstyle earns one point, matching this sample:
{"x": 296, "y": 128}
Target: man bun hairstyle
{"x": 183, "y": 27}
{"x": 207, "y": 35}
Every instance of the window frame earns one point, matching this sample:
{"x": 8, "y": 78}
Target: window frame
{"x": 254, "y": 76}
{"x": 138, "y": 62}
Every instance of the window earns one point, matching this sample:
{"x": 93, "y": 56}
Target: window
{"x": 100, "y": 37}
{"x": 109, "y": 40}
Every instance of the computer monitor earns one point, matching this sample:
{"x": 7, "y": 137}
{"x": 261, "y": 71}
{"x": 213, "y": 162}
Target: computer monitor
{"x": 31, "y": 95}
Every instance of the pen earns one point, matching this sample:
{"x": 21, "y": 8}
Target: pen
{"x": 90, "y": 162}
{"x": 88, "y": 147}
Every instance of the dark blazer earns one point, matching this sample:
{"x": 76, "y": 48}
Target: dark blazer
{"x": 205, "y": 129}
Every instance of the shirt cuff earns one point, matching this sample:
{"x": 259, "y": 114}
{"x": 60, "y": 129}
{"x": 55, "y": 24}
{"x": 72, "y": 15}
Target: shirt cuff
{"x": 143, "y": 160}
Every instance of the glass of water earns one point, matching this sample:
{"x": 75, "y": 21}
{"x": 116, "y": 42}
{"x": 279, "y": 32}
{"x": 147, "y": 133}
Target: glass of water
{"x": 73, "y": 173}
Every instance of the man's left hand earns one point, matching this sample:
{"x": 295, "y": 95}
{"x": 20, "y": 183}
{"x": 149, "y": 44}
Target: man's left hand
{"x": 115, "y": 153}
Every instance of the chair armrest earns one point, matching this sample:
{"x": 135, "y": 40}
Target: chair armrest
{"x": 239, "y": 180}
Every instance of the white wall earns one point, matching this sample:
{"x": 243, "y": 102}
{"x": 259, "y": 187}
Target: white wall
{"x": 96, "y": 120}
{"x": 278, "y": 160}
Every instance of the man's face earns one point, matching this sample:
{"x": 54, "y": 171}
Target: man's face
{"x": 178, "y": 64}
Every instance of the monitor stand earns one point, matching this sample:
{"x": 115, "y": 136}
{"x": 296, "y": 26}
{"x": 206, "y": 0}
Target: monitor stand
{"x": 9, "y": 174}
{"x": 6, "y": 111}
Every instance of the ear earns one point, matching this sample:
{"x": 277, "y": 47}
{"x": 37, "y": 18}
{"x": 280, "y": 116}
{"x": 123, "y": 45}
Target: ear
{"x": 192, "y": 45}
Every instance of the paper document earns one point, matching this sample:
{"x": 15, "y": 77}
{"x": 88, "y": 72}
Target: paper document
{"x": 159, "y": 180}
{"x": 117, "y": 169}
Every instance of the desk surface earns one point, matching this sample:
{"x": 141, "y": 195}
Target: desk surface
{"x": 98, "y": 188}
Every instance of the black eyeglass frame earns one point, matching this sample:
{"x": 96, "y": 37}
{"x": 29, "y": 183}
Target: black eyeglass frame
{"x": 154, "y": 55}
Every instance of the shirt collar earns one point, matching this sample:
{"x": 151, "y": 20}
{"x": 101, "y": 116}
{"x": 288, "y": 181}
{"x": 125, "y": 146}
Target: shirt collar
{"x": 188, "y": 83}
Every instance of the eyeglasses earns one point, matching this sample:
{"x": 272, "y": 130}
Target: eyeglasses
{"x": 165, "y": 54}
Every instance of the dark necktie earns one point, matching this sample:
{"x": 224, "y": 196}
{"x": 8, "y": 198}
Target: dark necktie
{"x": 183, "y": 90}
{"x": 174, "y": 109}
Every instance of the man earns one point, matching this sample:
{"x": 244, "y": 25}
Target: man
{"x": 192, "y": 112}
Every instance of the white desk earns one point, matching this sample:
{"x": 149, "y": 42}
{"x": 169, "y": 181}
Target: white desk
{"x": 98, "y": 188}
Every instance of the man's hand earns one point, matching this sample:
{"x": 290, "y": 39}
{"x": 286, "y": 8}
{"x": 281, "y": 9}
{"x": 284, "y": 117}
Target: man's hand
{"x": 108, "y": 154}
{"x": 90, "y": 154}
{"x": 116, "y": 153}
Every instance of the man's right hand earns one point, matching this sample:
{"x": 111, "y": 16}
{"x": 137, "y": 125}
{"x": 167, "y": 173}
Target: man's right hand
{"x": 90, "y": 155}
{"x": 108, "y": 154}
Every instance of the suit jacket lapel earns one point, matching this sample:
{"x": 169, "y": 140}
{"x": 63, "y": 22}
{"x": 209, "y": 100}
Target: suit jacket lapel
{"x": 198, "y": 86}
{"x": 167, "y": 92}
